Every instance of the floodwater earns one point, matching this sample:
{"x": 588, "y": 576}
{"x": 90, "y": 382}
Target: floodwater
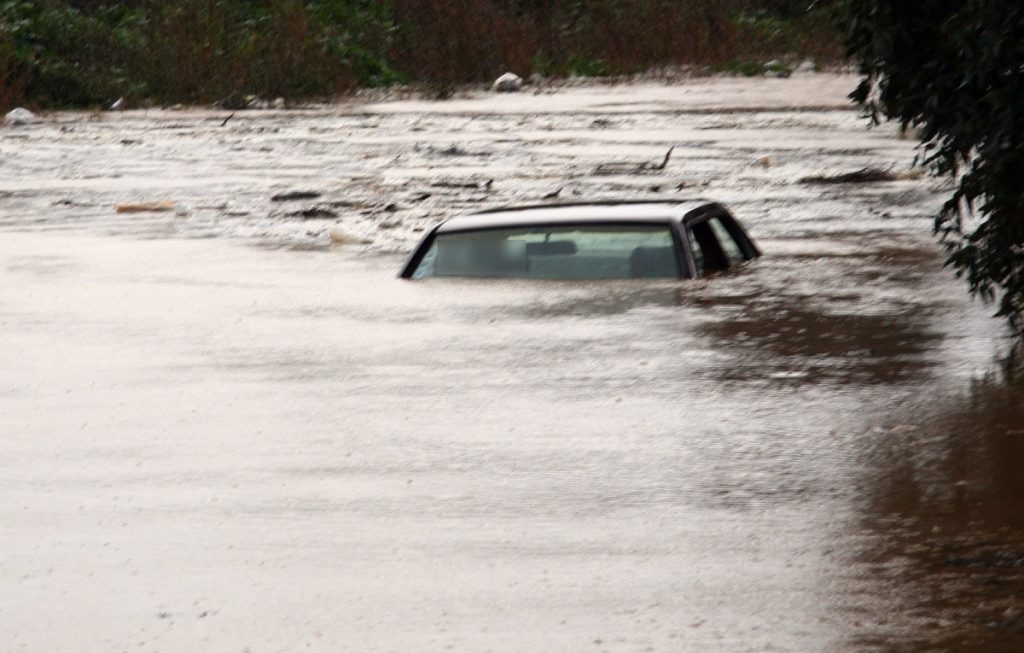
{"x": 220, "y": 433}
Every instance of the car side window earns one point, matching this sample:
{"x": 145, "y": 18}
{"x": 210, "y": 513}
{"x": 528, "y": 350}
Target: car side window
{"x": 713, "y": 247}
{"x": 733, "y": 252}
{"x": 698, "y": 253}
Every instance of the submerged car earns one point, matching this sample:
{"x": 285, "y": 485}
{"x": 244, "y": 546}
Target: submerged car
{"x": 599, "y": 240}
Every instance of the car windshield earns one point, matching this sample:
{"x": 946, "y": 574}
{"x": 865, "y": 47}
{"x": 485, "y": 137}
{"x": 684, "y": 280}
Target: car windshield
{"x": 548, "y": 252}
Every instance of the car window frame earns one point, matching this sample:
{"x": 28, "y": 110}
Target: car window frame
{"x": 732, "y": 226}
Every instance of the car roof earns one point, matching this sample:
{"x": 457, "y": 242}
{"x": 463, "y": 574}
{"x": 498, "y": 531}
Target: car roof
{"x": 574, "y": 213}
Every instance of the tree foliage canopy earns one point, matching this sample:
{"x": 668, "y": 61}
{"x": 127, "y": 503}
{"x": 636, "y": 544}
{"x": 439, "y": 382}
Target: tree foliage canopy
{"x": 954, "y": 71}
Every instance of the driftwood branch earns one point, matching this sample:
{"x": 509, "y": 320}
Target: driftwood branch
{"x": 629, "y": 168}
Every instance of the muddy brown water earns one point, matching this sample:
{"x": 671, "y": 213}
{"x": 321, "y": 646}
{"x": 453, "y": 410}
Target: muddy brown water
{"x": 220, "y": 433}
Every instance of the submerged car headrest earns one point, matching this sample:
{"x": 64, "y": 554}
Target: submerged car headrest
{"x": 653, "y": 263}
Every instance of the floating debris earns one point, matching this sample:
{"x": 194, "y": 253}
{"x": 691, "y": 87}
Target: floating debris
{"x": 294, "y": 195}
{"x": 146, "y": 207}
{"x": 460, "y": 184}
{"x": 347, "y": 204}
{"x": 314, "y": 213}
{"x": 339, "y": 236}
{"x": 627, "y": 168}
{"x": 692, "y": 183}
{"x": 862, "y": 176}
{"x": 451, "y": 150}
{"x": 241, "y": 103}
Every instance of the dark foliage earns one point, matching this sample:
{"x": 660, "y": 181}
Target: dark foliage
{"x": 90, "y": 52}
{"x": 955, "y": 72}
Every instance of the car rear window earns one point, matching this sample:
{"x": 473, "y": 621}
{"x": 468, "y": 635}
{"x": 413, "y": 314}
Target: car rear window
{"x": 546, "y": 252}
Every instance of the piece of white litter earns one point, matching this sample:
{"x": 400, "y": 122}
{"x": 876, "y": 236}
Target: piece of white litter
{"x": 117, "y": 105}
{"x": 507, "y": 83}
{"x": 19, "y": 116}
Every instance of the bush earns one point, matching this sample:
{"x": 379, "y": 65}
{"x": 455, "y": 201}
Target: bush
{"x": 952, "y": 72}
{"x": 63, "y": 56}
{"x": 13, "y": 77}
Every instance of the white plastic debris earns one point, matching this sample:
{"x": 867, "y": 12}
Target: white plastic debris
{"x": 507, "y": 83}
{"x": 117, "y": 105}
{"x": 19, "y": 116}
{"x": 776, "y": 68}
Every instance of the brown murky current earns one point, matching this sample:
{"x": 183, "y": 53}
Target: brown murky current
{"x": 220, "y": 433}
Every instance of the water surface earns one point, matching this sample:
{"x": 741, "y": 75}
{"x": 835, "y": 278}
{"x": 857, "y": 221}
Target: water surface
{"x": 219, "y": 433}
